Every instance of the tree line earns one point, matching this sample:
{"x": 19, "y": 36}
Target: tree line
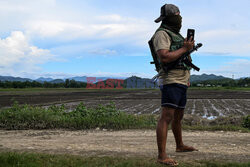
{"x": 34, "y": 84}
{"x": 244, "y": 82}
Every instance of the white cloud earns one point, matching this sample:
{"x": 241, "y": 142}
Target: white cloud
{"x": 221, "y": 34}
{"x": 17, "y": 55}
{"x": 225, "y": 41}
{"x": 57, "y": 29}
{"x": 60, "y": 21}
{"x": 237, "y": 68}
{"x": 103, "y": 52}
{"x": 54, "y": 21}
{"x": 15, "y": 13}
{"x": 25, "y": 5}
{"x": 121, "y": 27}
{"x": 110, "y": 18}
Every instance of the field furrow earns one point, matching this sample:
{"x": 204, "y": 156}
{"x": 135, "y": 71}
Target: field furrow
{"x": 204, "y": 103}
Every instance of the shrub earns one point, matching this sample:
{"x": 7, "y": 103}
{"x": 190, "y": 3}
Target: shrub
{"x": 104, "y": 116}
{"x": 246, "y": 122}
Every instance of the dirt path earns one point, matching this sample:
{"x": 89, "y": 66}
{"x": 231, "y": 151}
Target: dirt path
{"x": 229, "y": 146}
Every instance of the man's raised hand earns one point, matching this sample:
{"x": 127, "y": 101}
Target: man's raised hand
{"x": 188, "y": 44}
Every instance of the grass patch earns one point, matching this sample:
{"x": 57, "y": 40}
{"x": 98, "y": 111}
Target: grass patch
{"x": 21, "y": 117}
{"x": 30, "y": 117}
{"x": 8, "y": 159}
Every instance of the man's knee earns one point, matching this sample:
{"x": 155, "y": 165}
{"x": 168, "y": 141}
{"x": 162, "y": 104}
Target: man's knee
{"x": 178, "y": 115}
{"x": 167, "y": 114}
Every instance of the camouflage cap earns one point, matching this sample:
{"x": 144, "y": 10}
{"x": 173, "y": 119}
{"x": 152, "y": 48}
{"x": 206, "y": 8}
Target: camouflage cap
{"x": 166, "y": 10}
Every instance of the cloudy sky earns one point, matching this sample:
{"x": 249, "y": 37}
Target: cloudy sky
{"x": 61, "y": 38}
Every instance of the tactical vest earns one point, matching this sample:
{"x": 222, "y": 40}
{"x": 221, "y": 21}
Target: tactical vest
{"x": 177, "y": 41}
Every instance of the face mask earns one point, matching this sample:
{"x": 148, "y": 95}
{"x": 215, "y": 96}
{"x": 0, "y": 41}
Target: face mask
{"x": 173, "y": 22}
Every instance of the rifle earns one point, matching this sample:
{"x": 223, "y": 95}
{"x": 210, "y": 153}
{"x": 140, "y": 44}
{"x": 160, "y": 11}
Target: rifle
{"x": 184, "y": 58}
{"x": 171, "y": 65}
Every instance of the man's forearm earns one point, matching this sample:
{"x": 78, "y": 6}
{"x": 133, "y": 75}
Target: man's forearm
{"x": 167, "y": 56}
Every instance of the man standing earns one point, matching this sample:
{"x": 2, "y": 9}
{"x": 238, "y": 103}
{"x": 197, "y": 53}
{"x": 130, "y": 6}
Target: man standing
{"x": 169, "y": 46}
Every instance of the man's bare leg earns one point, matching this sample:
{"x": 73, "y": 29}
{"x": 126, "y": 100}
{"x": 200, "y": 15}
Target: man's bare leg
{"x": 176, "y": 128}
{"x": 167, "y": 116}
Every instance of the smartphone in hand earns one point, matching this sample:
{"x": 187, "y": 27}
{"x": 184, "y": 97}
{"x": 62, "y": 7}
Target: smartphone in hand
{"x": 190, "y": 33}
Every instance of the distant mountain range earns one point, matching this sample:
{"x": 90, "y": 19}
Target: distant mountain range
{"x": 137, "y": 82}
{"x": 42, "y": 79}
{"x": 84, "y": 78}
{"x": 10, "y": 78}
{"x": 205, "y": 77}
{"x": 131, "y": 82}
{"x": 193, "y": 78}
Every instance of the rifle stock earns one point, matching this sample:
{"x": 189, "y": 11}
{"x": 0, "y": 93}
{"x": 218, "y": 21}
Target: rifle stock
{"x": 154, "y": 55}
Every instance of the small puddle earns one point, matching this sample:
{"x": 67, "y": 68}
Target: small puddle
{"x": 209, "y": 117}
